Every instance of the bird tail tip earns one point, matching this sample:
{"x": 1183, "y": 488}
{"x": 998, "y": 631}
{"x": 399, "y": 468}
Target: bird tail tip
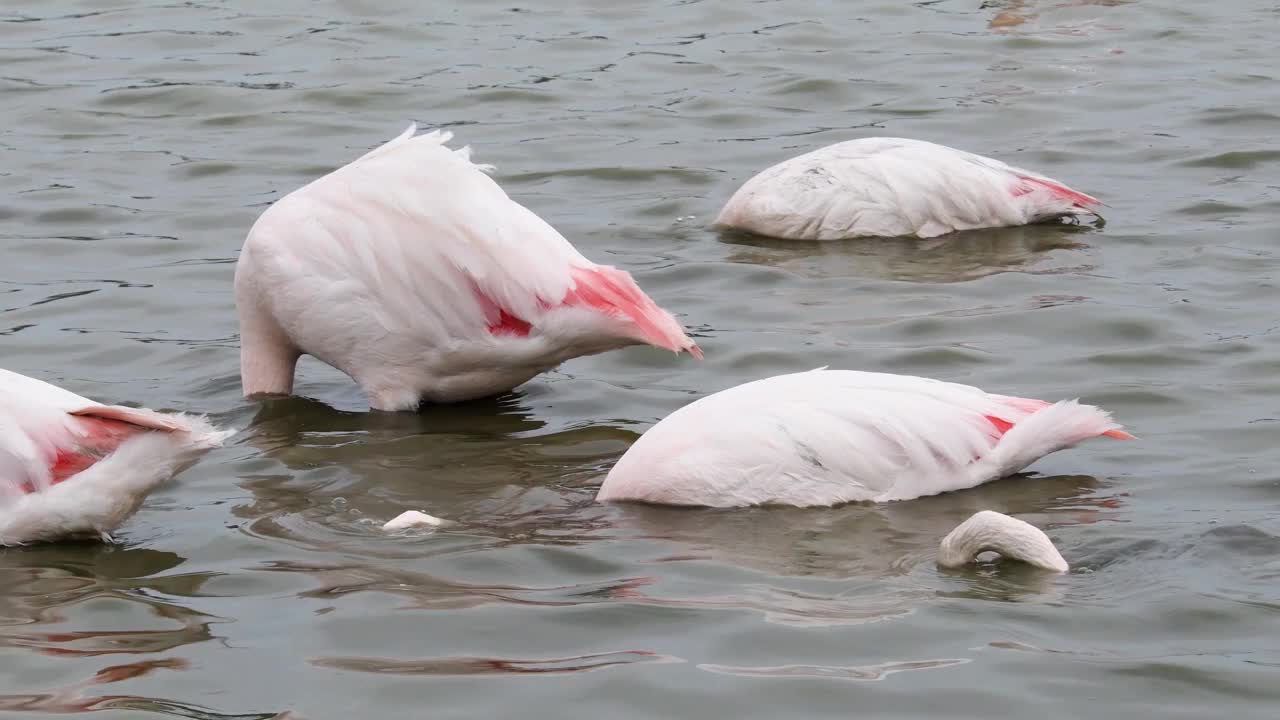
{"x": 1057, "y": 190}
{"x": 611, "y": 290}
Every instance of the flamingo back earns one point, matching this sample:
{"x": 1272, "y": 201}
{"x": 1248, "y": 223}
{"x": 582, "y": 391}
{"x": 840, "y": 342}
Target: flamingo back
{"x": 832, "y": 436}
{"x": 889, "y": 187}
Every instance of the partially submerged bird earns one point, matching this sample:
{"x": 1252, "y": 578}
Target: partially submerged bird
{"x": 410, "y": 519}
{"x": 71, "y": 467}
{"x": 891, "y": 187}
{"x": 827, "y": 437}
{"x": 414, "y": 273}
{"x": 990, "y": 531}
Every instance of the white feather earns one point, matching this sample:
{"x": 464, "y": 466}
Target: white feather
{"x": 833, "y": 436}
{"x": 889, "y": 187}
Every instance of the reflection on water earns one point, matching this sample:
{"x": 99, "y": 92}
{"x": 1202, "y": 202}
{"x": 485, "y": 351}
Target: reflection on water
{"x": 429, "y": 592}
{"x": 861, "y": 539}
{"x": 78, "y": 698}
{"x": 866, "y": 672}
{"x": 51, "y": 590}
{"x": 283, "y": 422}
{"x": 41, "y": 583}
{"x": 958, "y": 257}
{"x": 840, "y": 566}
{"x": 44, "y": 581}
{"x": 192, "y": 628}
{"x": 328, "y": 479}
{"x": 493, "y": 666}
{"x": 1016, "y": 13}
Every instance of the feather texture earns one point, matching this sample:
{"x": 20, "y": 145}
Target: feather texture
{"x": 889, "y": 187}
{"x": 72, "y": 467}
{"x": 827, "y": 437}
{"x": 413, "y": 272}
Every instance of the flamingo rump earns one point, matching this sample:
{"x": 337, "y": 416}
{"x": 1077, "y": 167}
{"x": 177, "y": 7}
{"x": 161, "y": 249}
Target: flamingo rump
{"x": 893, "y": 187}
{"x": 414, "y": 273}
{"x": 71, "y": 467}
{"x": 827, "y": 437}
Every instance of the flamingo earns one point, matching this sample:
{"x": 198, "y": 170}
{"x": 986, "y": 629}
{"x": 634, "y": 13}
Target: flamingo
{"x": 827, "y": 437}
{"x": 72, "y": 467}
{"x": 1009, "y": 536}
{"x": 411, "y": 271}
{"x": 891, "y": 187}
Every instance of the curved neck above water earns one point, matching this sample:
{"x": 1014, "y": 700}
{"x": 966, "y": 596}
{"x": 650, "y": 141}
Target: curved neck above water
{"x": 1010, "y": 537}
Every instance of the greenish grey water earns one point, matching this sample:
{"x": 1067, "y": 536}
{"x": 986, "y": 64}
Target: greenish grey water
{"x": 141, "y": 139}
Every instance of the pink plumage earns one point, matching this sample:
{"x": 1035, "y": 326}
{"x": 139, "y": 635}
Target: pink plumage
{"x": 72, "y": 467}
{"x": 827, "y": 437}
{"x": 414, "y": 273}
{"x": 890, "y": 187}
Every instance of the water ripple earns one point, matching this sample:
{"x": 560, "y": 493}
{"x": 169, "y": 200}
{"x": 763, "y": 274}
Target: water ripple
{"x": 495, "y": 666}
{"x": 865, "y": 672}
{"x": 141, "y": 141}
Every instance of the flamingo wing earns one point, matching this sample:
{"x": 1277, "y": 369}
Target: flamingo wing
{"x": 34, "y": 421}
{"x": 48, "y": 434}
{"x": 20, "y": 463}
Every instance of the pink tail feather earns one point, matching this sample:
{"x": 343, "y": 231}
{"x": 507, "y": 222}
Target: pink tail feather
{"x": 610, "y": 290}
{"x": 100, "y": 430}
{"x": 1062, "y": 192}
{"x": 1031, "y": 405}
{"x": 141, "y": 418}
{"x": 603, "y": 289}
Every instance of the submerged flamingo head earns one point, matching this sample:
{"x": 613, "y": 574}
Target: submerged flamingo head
{"x": 992, "y": 531}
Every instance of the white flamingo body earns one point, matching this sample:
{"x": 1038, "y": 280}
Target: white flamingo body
{"x": 891, "y": 187}
{"x": 827, "y": 437}
{"x": 414, "y": 273}
{"x": 72, "y": 467}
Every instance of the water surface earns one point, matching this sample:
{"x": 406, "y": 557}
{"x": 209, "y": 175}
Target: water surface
{"x": 141, "y": 139}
